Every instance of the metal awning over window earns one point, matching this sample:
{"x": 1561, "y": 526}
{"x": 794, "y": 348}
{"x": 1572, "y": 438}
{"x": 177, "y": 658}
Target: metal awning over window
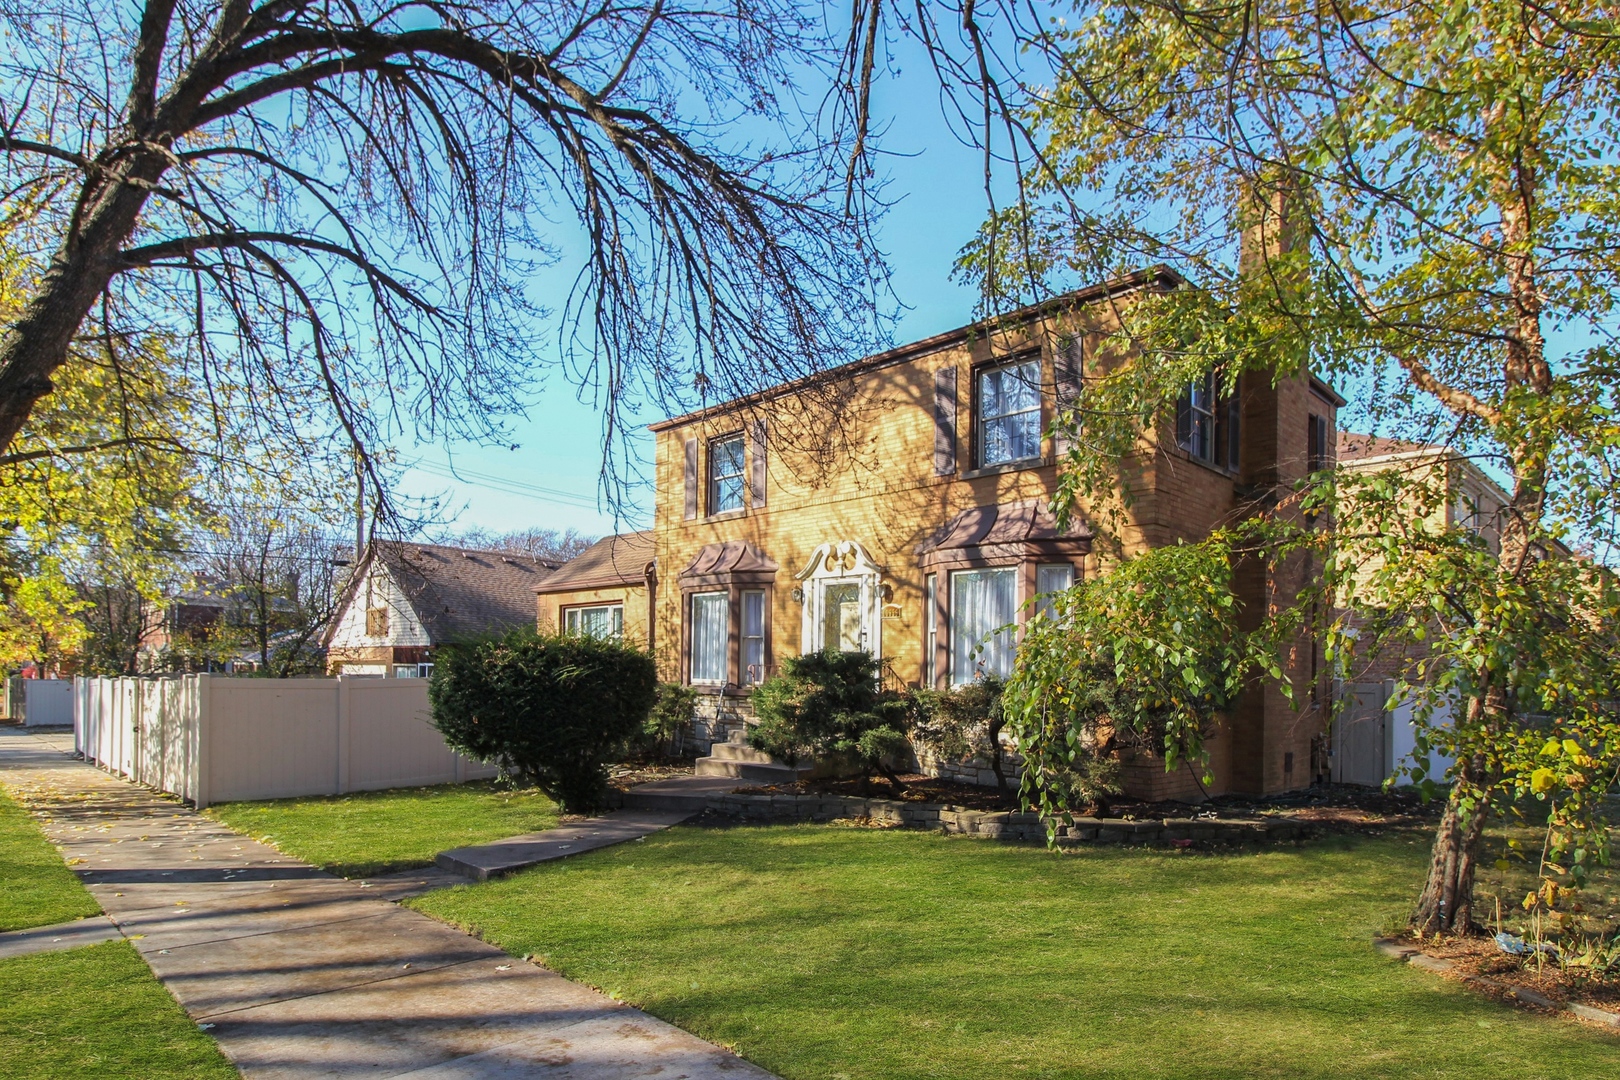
{"x": 1001, "y": 533}
{"x": 735, "y": 562}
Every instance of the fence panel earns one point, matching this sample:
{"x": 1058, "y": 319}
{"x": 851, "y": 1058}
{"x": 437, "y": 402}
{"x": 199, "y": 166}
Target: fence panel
{"x": 212, "y": 738}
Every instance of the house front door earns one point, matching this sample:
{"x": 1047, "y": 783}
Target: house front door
{"x": 842, "y": 626}
{"x": 841, "y": 590}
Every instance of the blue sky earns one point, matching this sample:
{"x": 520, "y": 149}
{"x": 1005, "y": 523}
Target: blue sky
{"x": 550, "y": 479}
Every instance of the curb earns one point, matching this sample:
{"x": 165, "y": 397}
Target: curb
{"x": 1405, "y": 953}
{"x": 998, "y": 825}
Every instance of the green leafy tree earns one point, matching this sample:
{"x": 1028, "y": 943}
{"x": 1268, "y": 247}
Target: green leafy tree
{"x": 1143, "y": 658}
{"x": 1419, "y": 200}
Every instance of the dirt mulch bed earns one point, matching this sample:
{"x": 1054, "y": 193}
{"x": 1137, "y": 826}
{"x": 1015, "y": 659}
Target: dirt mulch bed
{"x": 628, "y": 775}
{"x": 1481, "y": 958}
{"x": 1330, "y": 807}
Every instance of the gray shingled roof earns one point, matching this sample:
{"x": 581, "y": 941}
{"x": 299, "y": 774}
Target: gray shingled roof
{"x": 611, "y": 561}
{"x": 461, "y": 593}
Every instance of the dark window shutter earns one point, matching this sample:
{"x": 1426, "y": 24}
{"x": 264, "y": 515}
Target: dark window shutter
{"x": 1231, "y": 422}
{"x": 945, "y": 421}
{"x": 1313, "y": 444}
{"x": 1066, "y": 371}
{"x": 756, "y": 464}
{"x": 691, "y": 479}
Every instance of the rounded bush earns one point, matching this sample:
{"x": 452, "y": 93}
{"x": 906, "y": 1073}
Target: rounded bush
{"x": 552, "y": 711}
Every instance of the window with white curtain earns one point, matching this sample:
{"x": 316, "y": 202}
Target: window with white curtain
{"x": 753, "y": 636}
{"x": 710, "y": 630}
{"x": 603, "y": 621}
{"x": 931, "y": 620}
{"x": 1048, "y": 580}
{"x": 983, "y": 604}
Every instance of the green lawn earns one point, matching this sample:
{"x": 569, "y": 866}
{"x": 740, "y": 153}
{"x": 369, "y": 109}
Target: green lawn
{"x": 847, "y": 954}
{"x": 97, "y": 1012}
{"x": 36, "y": 887}
{"x": 375, "y": 832}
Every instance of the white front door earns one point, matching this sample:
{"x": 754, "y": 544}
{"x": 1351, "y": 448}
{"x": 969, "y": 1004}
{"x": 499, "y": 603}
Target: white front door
{"x": 841, "y": 589}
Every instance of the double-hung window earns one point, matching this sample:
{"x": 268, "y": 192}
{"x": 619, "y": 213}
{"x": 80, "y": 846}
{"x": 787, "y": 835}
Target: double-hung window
{"x": 1009, "y": 401}
{"x": 711, "y": 629}
{"x": 604, "y": 621}
{"x": 753, "y": 636}
{"x": 1207, "y": 423}
{"x": 984, "y": 604}
{"x": 931, "y": 620}
{"x": 1049, "y": 580}
{"x": 726, "y": 460}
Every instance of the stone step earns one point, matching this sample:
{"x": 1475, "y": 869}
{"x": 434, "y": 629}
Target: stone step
{"x": 747, "y": 770}
{"x": 735, "y": 751}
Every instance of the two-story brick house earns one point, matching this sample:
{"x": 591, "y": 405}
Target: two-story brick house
{"x": 900, "y": 504}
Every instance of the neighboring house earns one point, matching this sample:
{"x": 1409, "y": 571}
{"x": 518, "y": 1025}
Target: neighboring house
{"x": 179, "y": 634}
{"x": 405, "y": 599}
{"x": 920, "y": 524}
{"x": 1374, "y": 735}
{"x": 606, "y": 590}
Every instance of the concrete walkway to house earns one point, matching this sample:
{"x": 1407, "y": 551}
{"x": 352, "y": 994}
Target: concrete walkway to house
{"x": 484, "y": 861}
{"x": 300, "y": 974}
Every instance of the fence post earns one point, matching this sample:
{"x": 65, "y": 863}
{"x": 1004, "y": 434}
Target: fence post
{"x": 344, "y": 688}
{"x": 202, "y": 721}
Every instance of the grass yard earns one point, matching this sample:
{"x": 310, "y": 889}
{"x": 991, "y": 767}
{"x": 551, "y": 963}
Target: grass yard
{"x": 36, "y": 887}
{"x": 98, "y": 1012}
{"x": 840, "y": 954}
{"x": 375, "y": 832}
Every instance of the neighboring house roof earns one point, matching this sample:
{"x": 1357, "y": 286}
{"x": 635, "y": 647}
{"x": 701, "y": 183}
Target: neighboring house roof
{"x": 1354, "y": 447}
{"x": 458, "y": 593}
{"x": 610, "y": 562}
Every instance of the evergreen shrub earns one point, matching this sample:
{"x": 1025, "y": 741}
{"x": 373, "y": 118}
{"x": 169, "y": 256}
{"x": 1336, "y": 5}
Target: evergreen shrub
{"x": 551, "y": 711}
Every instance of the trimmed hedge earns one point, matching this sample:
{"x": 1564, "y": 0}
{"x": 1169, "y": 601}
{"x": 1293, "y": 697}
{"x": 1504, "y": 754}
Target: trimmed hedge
{"x": 552, "y": 711}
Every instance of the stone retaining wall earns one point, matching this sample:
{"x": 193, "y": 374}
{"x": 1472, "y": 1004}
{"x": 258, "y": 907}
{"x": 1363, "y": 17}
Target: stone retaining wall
{"x": 1003, "y": 825}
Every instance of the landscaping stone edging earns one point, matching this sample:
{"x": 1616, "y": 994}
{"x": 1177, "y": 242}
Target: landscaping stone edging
{"x": 1408, "y": 954}
{"x": 1002, "y": 825}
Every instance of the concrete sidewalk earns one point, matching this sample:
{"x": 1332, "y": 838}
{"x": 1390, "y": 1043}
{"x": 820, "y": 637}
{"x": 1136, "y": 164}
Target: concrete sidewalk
{"x": 484, "y": 861}
{"x": 300, "y": 974}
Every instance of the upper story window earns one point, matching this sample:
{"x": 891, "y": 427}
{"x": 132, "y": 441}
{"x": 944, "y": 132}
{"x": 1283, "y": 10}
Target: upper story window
{"x": 1317, "y": 453}
{"x": 1207, "y": 423}
{"x": 726, "y": 459}
{"x": 1009, "y": 401}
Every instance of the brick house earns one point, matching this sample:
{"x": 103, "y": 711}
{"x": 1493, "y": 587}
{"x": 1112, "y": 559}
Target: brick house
{"x": 899, "y": 504}
{"x": 1374, "y": 733}
{"x": 405, "y": 599}
{"x": 607, "y": 590}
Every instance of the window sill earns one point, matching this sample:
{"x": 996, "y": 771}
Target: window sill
{"x": 1219, "y": 470}
{"x": 727, "y": 515}
{"x": 1011, "y": 466}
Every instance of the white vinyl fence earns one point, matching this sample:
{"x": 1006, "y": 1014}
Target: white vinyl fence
{"x": 39, "y": 702}
{"x": 215, "y": 738}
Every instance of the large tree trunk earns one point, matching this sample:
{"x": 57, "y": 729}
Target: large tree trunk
{"x": 1447, "y": 903}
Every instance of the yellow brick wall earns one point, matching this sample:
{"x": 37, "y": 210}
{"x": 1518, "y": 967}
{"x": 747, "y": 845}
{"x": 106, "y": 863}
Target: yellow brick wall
{"x": 550, "y": 609}
{"x": 856, "y": 462}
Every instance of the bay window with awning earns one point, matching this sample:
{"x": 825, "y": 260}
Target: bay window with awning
{"x": 726, "y": 617}
{"x": 990, "y": 566}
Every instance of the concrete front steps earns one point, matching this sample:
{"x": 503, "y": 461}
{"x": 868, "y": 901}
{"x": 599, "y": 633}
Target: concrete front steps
{"x": 736, "y": 760}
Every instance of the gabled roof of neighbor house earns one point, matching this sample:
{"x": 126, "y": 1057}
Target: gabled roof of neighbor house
{"x": 611, "y": 562}
{"x": 459, "y": 593}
